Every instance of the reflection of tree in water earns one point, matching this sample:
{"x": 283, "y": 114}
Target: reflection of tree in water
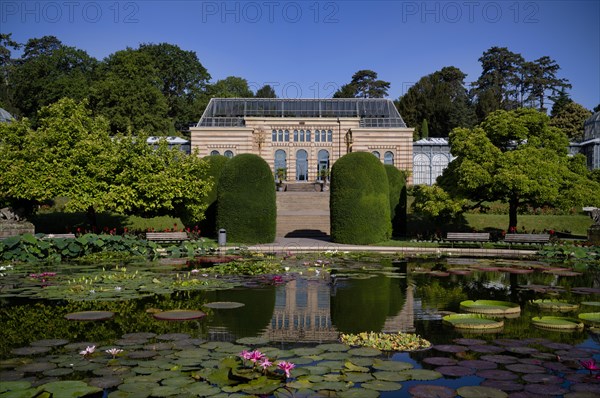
{"x": 361, "y": 305}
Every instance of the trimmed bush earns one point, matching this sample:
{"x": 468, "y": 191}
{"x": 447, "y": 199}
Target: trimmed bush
{"x": 208, "y": 226}
{"x": 246, "y": 200}
{"x": 397, "y": 187}
{"x": 359, "y": 201}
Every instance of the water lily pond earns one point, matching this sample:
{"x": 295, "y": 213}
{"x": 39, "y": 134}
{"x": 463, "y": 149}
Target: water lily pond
{"x": 301, "y": 326}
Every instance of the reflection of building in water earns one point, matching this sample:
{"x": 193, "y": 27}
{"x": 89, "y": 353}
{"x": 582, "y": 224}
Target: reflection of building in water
{"x": 404, "y": 321}
{"x": 302, "y": 313}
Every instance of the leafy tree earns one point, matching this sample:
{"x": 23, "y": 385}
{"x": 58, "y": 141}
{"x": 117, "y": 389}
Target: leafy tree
{"x": 559, "y": 102}
{"x": 436, "y": 203}
{"x": 128, "y": 94}
{"x": 518, "y": 158}
{"x": 183, "y": 80}
{"x": 596, "y": 108}
{"x": 364, "y": 84}
{"x": 71, "y": 154}
{"x": 441, "y": 99}
{"x": 231, "y": 87}
{"x": 45, "y": 45}
{"x": 49, "y": 73}
{"x": 424, "y": 129}
{"x": 570, "y": 120}
{"x": 266, "y": 91}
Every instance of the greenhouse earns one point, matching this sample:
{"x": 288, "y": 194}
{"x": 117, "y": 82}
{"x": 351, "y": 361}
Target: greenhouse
{"x": 304, "y": 136}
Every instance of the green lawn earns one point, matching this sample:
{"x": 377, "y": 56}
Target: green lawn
{"x": 574, "y": 224}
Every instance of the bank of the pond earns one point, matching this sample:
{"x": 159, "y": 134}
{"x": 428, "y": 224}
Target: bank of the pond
{"x": 310, "y": 245}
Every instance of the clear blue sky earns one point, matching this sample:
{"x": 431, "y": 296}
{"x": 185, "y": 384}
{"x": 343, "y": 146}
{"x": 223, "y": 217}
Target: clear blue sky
{"x": 307, "y": 48}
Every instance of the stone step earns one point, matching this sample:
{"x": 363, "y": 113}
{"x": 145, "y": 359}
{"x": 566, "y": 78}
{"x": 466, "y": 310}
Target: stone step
{"x": 302, "y": 187}
{"x": 303, "y": 214}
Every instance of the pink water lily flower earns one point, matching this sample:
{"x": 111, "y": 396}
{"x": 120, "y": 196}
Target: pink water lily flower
{"x": 88, "y": 350}
{"x": 114, "y": 351}
{"x": 590, "y": 365}
{"x": 286, "y": 367}
{"x": 265, "y": 363}
{"x": 256, "y": 356}
{"x": 245, "y": 354}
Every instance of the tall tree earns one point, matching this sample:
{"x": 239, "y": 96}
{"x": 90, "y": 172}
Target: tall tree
{"x": 128, "y": 94}
{"x": 515, "y": 157}
{"x": 50, "y": 73}
{"x": 231, "y": 87}
{"x": 45, "y": 45}
{"x": 442, "y": 99}
{"x": 570, "y": 120}
{"x": 364, "y": 84}
{"x": 7, "y": 64}
{"x": 559, "y": 102}
{"x": 266, "y": 91}
{"x": 498, "y": 82}
{"x": 424, "y": 129}
{"x": 183, "y": 80}
{"x": 541, "y": 81}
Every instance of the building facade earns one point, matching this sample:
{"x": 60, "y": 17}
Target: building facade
{"x": 304, "y": 136}
{"x": 430, "y": 157}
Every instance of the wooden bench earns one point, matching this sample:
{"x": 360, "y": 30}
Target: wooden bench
{"x": 539, "y": 239}
{"x": 166, "y": 237}
{"x": 467, "y": 237}
{"x": 54, "y": 236}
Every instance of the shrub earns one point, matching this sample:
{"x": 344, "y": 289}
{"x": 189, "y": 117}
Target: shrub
{"x": 208, "y": 226}
{"x": 359, "y": 201}
{"x": 246, "y": 200}
{"x": 397, "y": 187}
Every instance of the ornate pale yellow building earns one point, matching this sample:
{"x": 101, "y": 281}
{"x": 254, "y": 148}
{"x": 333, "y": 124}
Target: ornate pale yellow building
{"x": 304, "y": 136}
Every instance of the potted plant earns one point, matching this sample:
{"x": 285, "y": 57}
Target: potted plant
{"x": 280, "y": 177}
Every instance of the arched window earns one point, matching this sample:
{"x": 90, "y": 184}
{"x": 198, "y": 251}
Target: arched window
{"x": 317, "y": 136}
{"x": 287, "y": 136}
{"x": 323, "y": 136}
{"x": 280, "y": 138}
{"x": 438, "y": 164}
{"x": 295, "y": 135}
{"x": 377, "y": 154}
{"x": 280, "y": 160}
{"x": 388, "y": 158}
{"x": 307, "y": 135}
{"x": 274, "y": 135}
{"x": 421, "y": 170}
{"x": 228, "y": 154}
{"x": 301, "y": 135}
{"x": 215, "y": 152}
{"x": 330, "y": 135}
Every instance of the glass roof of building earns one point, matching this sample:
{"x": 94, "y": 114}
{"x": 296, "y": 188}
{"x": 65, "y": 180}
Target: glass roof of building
{"x": 231, "y": 112}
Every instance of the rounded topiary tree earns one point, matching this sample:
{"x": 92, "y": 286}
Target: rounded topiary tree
{"x": 246, "y": 200}
{"x": 359, "y": 201}
{"x": 215, "y": 163}
{"x": 397, "y": 188}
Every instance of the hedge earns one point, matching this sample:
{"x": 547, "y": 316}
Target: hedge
{"x": 359, "y": 200}
{"x": 398, "y": 196}
{"x": 246, "y": 206}
{"x": 208, "y": 226}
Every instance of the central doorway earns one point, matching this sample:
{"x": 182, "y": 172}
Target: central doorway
{"x": 301, "y": 165}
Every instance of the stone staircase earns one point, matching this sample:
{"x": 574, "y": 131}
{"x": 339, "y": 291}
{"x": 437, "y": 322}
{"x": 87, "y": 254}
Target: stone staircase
{"x": 302, "y": 211}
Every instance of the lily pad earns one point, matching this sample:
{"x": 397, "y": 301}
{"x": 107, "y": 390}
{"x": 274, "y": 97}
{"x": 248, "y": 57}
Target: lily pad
{"x": 525, "y": 368}
{"x": 497, "y": 374}
{"x": 357, "y": 393}
{"x": 179, "y": 315}
{"x": 555, "y": 305}
{"x": 440, "y": 361}
{"x": 90, "y": 316}
{"x": 504, "y": 385}
{"x": 478, "y": 364}
{"x": 557, "y": 323}
{"x": 391, "y": 376}
{"x": 490, "y": 307}
{"x": 224, "y": 305}
{"x": 49, "y": 343}
{"x": 380, "y": 385}
{"x": 422, "y": 374}
{"x": 456, "y": 371}
{"x": 592, "y": 318}
{"x": 480, "y": 392}
{"x": 472, "y": 321}
{"x": 365, "y": 352}
{"x": 393, "y": 366}
{"x": 69, "y": 388}
{"x": 431, "y": 391}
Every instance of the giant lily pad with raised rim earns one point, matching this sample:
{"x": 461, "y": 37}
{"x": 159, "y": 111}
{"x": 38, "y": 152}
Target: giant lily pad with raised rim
{"x": 472, "y": 321}
{"x": 555, "y": 305}
{"x": 179, "y": 315}
{"x": 490, "y": 307}
{"x": 556, "y": 323}
{"x": 90, "y": 316}
{"x": 591, "y": 318}
{"x": 480, "y": 392}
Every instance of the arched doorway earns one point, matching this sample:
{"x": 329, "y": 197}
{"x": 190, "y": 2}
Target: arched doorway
{"x": 323, "y": 162}
{"x": 280, "y": 160}
{"x": 301, "y": 165}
